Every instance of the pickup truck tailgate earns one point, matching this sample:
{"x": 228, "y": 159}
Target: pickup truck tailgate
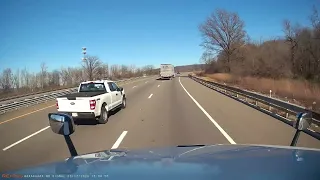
{"x": 78, "y": 105}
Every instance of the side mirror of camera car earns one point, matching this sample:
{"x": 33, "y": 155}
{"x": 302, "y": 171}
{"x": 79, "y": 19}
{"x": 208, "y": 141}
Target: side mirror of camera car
{"x": 61, "y": 123}
{"x": 303, "y": 121}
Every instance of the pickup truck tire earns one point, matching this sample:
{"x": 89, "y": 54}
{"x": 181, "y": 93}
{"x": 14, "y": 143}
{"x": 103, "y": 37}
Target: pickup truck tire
{"x": 124, "y": 102}
{"x": 104, "y": 115}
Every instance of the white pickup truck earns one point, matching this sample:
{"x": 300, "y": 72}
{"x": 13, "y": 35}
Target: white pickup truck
{"x": 94, "y": 99}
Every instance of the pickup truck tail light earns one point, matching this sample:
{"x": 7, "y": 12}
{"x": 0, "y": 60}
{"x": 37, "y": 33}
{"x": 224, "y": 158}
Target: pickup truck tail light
{"x": 57, "y": 105}
{"x": 92, "y": 104}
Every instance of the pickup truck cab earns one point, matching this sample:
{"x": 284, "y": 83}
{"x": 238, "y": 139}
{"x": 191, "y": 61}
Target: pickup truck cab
{"x": 94, "y": 99}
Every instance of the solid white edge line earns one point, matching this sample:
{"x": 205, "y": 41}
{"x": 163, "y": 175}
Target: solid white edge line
{"x": 223, "y": 132}
{"x": 8, "y": 147}
{"x": 134, "y": 87}
{"x": 150, "y": 96}
{"x": 119, "y": 140}
{"x": 159, "y": 85}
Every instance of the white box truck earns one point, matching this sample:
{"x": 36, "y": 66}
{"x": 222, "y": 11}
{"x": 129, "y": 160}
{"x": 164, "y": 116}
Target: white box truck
{"x": 166, "y": 71}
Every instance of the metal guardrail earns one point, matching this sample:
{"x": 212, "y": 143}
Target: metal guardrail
{"x": 28, "y": 94}
{"x": 272, "y": 106}
{"x": 14, "y": 105}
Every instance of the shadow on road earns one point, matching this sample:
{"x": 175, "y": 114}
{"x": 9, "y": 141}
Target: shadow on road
{"x": 111, "y": 113}
{"x": 93, "y": 122}
{"x": 159, "y": 79}
{"x": 85, "y": 121}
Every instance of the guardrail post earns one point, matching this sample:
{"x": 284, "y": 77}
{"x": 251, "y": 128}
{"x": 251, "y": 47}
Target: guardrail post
{"x": 256, "y": 103}
{"x": 287, "y": 114}
{"x": 270, "y": 97}
{"x": 314, "y": 105}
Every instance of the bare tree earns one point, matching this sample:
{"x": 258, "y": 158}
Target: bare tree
{"x": 148, "y": 69}
{"x": 132, "y": 70}
{"x": 207, "y": 57}
{"x": 315, "y": 41}
{"x": 54, "y": 78}
{"x": 6, "y": 80}
{"x": 66, "y": 76}
{"x": 72, "y": 73}
{"x": 315, "y": 19}
{"x": 223, "y": 32}
{"x": 79, "y": 75}
{"x": 210, "y": 62}
{"x": 43, "y": 74}
{"x": 124, "y": 71}
{"x": 90, "y": 66}
{"x": 25, "y": 76}
{"x": 34, "y": 81}
{"x": 290, "y": 36}
{"x": 138, "y": 72}
{"x": 103, "y": 71}
{"x": 115, "y": 71}
{"x": 16, "y": 79}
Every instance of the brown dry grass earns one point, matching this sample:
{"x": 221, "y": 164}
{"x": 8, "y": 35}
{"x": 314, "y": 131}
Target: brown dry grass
{"x": 296, "y": 91}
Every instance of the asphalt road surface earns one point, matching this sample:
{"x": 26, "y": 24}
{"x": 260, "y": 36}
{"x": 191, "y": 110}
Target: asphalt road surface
{"x": 159, "y": 113}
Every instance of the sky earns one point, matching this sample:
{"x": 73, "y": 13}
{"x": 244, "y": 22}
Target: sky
{"x": 130, "y": 32}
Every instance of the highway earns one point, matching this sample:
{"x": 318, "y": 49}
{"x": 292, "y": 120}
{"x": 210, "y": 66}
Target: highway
{"x": 159, "y": 113}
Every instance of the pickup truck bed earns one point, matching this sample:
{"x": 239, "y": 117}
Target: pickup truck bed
{"x": 73, "y": 96}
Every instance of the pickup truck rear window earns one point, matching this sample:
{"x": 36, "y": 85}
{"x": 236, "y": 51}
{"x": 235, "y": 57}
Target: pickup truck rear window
{"x": 92, "y": 87}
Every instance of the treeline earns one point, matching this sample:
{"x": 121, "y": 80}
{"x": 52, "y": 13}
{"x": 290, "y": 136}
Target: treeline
{"x": 23, "y": 82}
{"x": 228, "y": 48}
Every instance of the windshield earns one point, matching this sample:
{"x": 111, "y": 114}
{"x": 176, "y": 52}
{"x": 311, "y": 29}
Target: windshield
{"x": 92, "y": 87}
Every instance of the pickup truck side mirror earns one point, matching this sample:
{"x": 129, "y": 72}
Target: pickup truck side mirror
{"x": 61, "y": 123}
{"x": 120, "y": 89}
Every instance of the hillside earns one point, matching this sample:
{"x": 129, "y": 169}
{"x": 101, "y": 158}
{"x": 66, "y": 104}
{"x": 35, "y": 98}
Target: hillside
{"x": 189, "y": 68}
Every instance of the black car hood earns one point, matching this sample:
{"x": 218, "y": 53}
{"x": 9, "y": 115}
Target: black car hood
{"x": 203, "y": 162}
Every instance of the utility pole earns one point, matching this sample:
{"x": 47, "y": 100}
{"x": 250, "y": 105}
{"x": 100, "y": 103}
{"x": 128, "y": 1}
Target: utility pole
{"x": 84, "y": 52}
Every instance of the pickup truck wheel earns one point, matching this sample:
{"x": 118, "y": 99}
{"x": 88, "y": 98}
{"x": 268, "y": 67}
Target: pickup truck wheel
{"x": 103, "y": 116}
{"x": 124, "y": 103}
